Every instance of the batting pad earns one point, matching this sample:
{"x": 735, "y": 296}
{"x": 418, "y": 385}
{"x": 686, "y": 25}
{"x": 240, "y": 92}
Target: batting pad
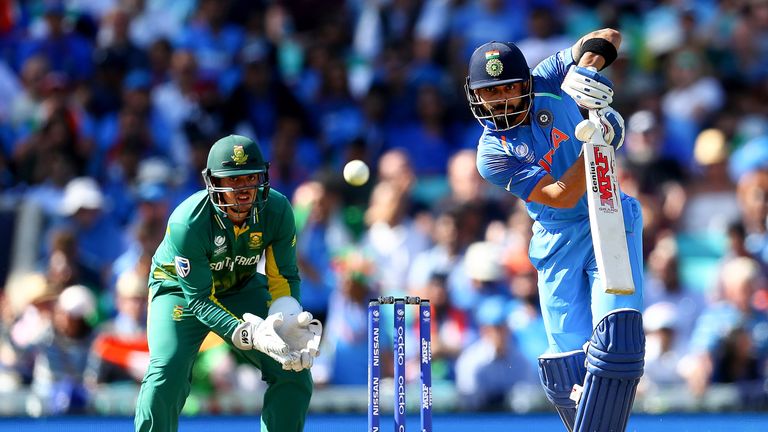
{"x": 614, "y": 367}
{"x": 559, "y": 372}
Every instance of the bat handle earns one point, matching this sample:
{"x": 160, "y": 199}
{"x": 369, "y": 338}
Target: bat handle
{"x": 594, "y": 117}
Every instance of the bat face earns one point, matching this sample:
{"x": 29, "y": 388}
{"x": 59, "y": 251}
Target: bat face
{"x": 606, "y": 219}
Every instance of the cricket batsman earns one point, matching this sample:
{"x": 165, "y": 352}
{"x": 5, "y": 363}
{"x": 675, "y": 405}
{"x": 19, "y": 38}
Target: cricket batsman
{"x": 227, "y": 264}
{"x": 529, "y": 148}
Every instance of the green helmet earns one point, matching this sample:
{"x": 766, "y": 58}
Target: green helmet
{"x": 233, "y": 156}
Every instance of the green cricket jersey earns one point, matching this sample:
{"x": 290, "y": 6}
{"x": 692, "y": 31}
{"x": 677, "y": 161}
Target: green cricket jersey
{"x": 205, "y": 256}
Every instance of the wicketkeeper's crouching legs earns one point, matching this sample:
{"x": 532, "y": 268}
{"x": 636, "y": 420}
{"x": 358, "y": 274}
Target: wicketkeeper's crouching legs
{"x": 175, "y": 336}
{"x": 614, "y": 364}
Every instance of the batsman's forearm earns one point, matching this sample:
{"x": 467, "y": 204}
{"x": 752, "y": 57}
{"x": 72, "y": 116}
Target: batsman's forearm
{"x": 592, "y": 60}
{"x": 587, "y": 59}
{"x": 571, "y": 186}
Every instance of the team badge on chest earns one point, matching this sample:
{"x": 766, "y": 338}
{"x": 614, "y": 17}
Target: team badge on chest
{"x": 255, "y": 241}
{"x": 544, "y": 118}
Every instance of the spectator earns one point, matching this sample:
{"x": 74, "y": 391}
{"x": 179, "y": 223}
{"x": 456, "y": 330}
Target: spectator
{"x": 752, "y": 193}
{"x": 291, "y": 152}
{"x": 156, "y": 20}
{"x": 261, "y": 99}
{"x": 214, "y": 41}
{"x": 26, "y": 109}
{"x": 646, "y": 143}
{"x": 147, "y": 235}
{"x": 395, "y": 167}
{"x": 663, "y": 284}
{"x": 453, "y": 329}
{"x": 478, "y": 275}
{"x": 545, "y": 36}
{"x": 149, "y": 124}
{"x": 83, "y": 208}
{"x": 63, "y": 267}
{"x": 27, "y": 313}
{"x": 661, "y": 357}
{"x": 176, "y": 99}
{"x": 467, "y": 188}
{"x": 524, "y": 318}
{"x": 114, "y": 39}
{"x": 68, "y": 52}
{"x": 322, "y": 238}
{"x": 61, "y": 356}
{"x": 425, "y": 135}
{"x": 694, "y": 96}
{"x": 487, "y": 370}
{"x": 60, "y": 135}
{"x": 718, "y": 346}
{"x": 120, "y": 351}
{"x": 711, "y": 201}
{"x": 345, "y": 345}
{"x": 449, "y": 243}
{"x": 392, "y": 239}
{"x": 334, "y": 113}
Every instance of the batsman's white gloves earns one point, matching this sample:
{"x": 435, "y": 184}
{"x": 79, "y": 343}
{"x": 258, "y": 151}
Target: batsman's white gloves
{"x": 613, "y": 126}
{"x": 588, "y": 87}
{"x": 259, "y": 334}
{"x": 299, "y": 330}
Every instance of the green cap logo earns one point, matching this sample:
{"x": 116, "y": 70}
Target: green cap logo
{"x": 239, "y": 156}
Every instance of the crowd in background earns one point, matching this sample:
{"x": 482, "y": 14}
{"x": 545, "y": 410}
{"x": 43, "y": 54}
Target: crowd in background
{"x": 108, "y": 109}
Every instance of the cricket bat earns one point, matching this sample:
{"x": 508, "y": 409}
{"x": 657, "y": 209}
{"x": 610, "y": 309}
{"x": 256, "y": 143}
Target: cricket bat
{"x": 606, "y": 219}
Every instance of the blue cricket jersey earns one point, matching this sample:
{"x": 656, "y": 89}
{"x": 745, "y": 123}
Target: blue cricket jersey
{"x": 518, "y": 158}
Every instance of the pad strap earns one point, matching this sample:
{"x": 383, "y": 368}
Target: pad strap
{"x": 602, "y": 48}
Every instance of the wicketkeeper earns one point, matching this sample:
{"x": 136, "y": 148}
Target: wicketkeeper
{"x": 227, "y": 264}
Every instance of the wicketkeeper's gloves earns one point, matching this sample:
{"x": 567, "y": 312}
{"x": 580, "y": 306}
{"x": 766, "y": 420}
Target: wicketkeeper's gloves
{"x": 259, "y": 334}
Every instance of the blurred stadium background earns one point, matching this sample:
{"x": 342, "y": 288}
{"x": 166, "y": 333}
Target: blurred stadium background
{"x": 108, "y": 108}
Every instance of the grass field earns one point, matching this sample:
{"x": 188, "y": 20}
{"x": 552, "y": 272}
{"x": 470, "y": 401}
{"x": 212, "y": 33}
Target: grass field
{"x": 442, "y": 423}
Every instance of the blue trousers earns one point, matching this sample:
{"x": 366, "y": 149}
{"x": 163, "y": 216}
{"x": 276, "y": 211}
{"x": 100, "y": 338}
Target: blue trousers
{"x": 570, "y": 293}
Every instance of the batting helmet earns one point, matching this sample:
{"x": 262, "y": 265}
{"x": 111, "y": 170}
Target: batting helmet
{"x": 493, "y": 64}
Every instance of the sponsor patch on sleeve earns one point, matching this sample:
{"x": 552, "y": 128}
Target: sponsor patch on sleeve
{"x": 182, "y": 266}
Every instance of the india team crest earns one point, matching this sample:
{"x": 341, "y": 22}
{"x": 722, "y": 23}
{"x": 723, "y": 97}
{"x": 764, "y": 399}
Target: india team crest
{"x": 494, "y": 67}
{"x": 182, "y": 266}
{"x": 239, "y": 156}
{"x": 255, "y": 242}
